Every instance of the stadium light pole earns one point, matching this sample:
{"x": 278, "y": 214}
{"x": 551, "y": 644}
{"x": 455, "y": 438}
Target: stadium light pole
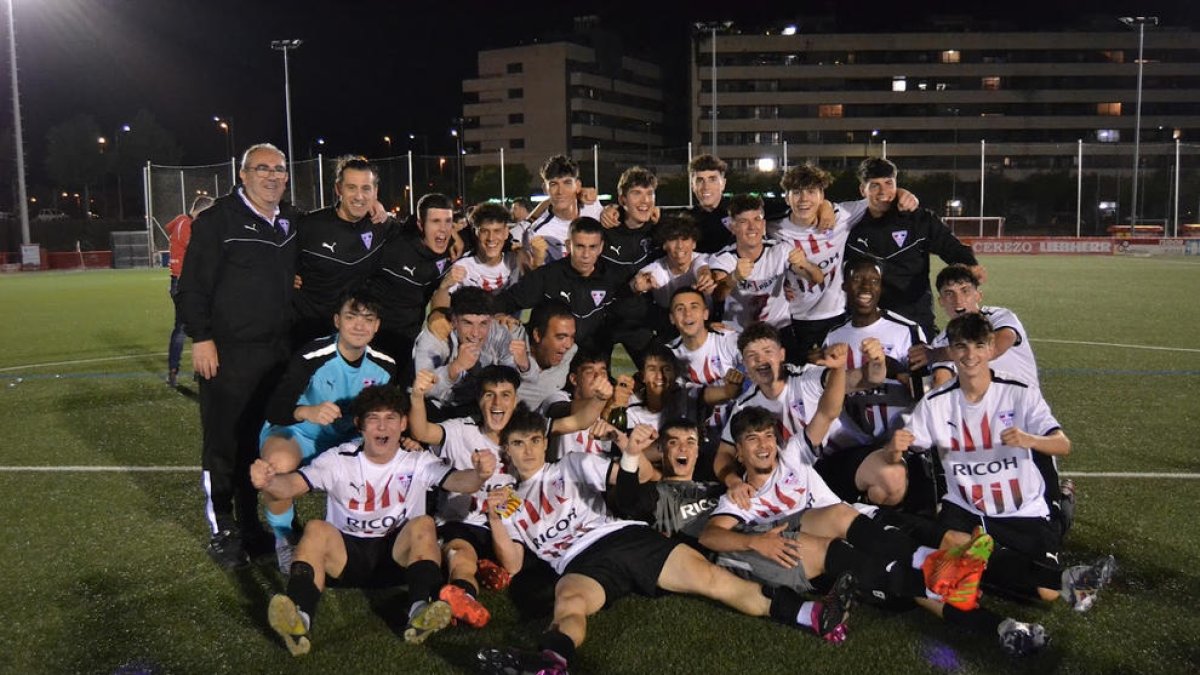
{"x": 1140, "y": 22}
{"x": 225, "y": 124}
{"x": 18, "y": 136}
{"x": 286, "y": 46}
{"x": 713, "y": 27}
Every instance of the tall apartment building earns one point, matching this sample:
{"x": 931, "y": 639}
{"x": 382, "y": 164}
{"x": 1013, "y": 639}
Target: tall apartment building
{"x": 562, "y": 97}
{"x": 835, "y": 98}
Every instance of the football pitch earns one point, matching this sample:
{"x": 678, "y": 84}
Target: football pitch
{"x": 103, "y": 535}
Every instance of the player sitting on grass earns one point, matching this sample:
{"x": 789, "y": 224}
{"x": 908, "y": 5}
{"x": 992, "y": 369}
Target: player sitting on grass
{"x": 986, "y": 430}
{"x": 309, "y": 411}
{"x": 558, "y": 512}
{"x": 462, "y": 519}
{"x": 376, "y": 532}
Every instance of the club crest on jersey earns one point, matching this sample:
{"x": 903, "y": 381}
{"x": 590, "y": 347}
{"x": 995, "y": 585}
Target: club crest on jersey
{"x": 441, "y": 265}
{"x": 798, "y": 409}
{"x": 404, "y": 482}
{"x": 560, "y": 485}
{"x": 790, "y": 479}
{"x": 598, "y": 297}
{"x": 367, "y": 238}
{"x": 368, "y": 382}
{"x": 900, "y": 236}
{"x": 1006, "y": 418}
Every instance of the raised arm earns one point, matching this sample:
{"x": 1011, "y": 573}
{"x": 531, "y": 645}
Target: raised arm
{"x": 419, "y": 426}
{"x": 829, "y": 407}
{"x": 468, "y": 481}
{"x": 277, "y": 485}
{"x": 510, "y": 554}
{"x": 588, "y": 413}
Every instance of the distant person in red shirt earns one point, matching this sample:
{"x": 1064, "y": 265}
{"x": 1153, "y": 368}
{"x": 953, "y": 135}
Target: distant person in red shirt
{"x": 180, "y": 232}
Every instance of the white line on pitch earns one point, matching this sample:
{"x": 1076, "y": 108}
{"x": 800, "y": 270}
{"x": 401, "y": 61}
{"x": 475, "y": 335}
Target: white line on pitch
{"x": 1117, "y": 344}
{"x": 81, "y": 361}
{"x": 1128, "y": 474}
{"x": 98, "y": 469}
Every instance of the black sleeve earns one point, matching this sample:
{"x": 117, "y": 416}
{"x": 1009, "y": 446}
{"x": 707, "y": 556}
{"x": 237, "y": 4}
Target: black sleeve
{"x": 527, "y": 292}
{"x": 198, "y": 280}
{"x": 631, "y": 499}
{"x": 282, "y": 404}
{"x": 943, "y": 242}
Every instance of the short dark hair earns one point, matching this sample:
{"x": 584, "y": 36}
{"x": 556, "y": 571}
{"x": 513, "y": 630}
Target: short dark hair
{"x": 543, "y": 313}
{"x": 558, "y": 166}
{"x": 471, "y": 300}
{"x": 758, "y": 331}
{"x": 636, "y": 176}
{"x": 969, "y": 328}
{"x": 744, "y": 202}
{"x": 752, "y": 418}
{"x": 523, "y": 201}
{"x": 585, "y": 225}
{"x": 956, "y": 273}
{"x": 523, "y": 421}
{"x": 360, "y": 298}
{"x": 379, "y": 397}
{"x": 585, "y": 357}
{"x": 805, "y": 176}
{"x": 707, "y": 162}
{"x": 854, "y": 264}
{"x": 489, "y": 212}
{"x": 677, "y": 226}
{"x": 199, "y": 204}
{"x": 684, "y": 289}
{"x": 354, "y": 163}
{"x": 433, "y": 200}
{"x": 662, "y": 353}
{"x": 679, "y": 423}
{"x": 498, "y": 374}
{"x": 875, "y": 167}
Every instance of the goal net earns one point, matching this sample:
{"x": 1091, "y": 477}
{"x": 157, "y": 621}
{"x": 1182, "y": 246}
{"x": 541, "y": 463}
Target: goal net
{"x": 975, "y": 226}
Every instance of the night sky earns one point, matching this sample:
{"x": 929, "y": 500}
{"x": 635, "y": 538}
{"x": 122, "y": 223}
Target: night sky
{"x": 367, "y": 68}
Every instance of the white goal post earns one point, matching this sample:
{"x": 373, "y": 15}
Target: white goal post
{"x": 975, "y": 226}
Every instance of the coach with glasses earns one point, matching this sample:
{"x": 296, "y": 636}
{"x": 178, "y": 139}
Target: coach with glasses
{"x": 235, "y": 298}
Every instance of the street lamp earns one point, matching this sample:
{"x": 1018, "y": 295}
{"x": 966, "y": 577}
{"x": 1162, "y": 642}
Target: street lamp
{"x": 225, "y": 124}
{"x": 1140, "y": 22}
{"x": 286, "y": 46}
{"x": 388, "y": 141}
{"x": 103, "y": 143}
{"x": 713, "y": 26}
{"x": 121, "y": 130}
{"x": 460, "y": 174}
{"x": 424, "y": 156}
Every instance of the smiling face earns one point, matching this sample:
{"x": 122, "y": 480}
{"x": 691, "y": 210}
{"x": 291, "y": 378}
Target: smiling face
{"x": 959, "y": 297}
{"x": 764, "y": 362}
{"x": 526, "y": 452}
{"x": 680, "y": 448}
{"x": 880, "y": 193}
{"x": 688, "y": 314}
{"x": 472, "y": 327}
{"x": 708, "y": 187}
{"x": 356, "y": 194}
{"x": 757, "y": 450}
{"x": 381, "y": 431}
{"x": 804, "y": 203}
{"x": 750, "y": 227}
{"x": 639, "y": 205}
{"x": 265, "y": 177}
{"x": 356, "y": 325}
{"x": 554, "y": 345}
{"x": 971, "y": 357}
{"x": 493, "y": 239}
{"x": 863, "y": 287}
{"x": 658, "y": 375}
{"x": 496, "y": 404}
{"x": 437, "y": 228}
{"x": 679, "y": 253}
{"x": 563, "y": 192}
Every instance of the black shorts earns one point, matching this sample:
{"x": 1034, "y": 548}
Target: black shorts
{"x": 369, "y": 562}
{"x": 626, "y": 561}
{"x": 1033, "y": 537}
{"x": 480, "y": 538}
{"x": 839, "y": 468}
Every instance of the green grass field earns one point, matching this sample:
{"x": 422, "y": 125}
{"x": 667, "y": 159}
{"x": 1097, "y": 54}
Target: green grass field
{"x": 106, "y": 570}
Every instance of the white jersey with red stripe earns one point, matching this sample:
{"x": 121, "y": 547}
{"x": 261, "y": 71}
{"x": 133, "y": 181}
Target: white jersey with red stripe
{"x": 562, "y": 509}
{"x": 983, "y": 475}
{"x": 667, "y": 282}
{"x": 877, "y": 411}
{"x": 812, "y": 302}
{"x": 491, "y": 278}
{"x": 760, "y": 297}
{"x": 576, "y": 441}
{"x": 366, "y": 499}
{"x": 1017, "y": 361}
{"x": 793, "y": 487}
{"x": 556, "y": 231}
{"x": 461, "y": 438}
{"x": 683, "y": 401}
{"x": 707, "y": 365}
{"x": 794, "y": 406}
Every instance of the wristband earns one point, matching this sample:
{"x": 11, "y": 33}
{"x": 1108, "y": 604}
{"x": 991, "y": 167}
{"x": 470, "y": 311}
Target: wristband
{"x": 630, "y": 463}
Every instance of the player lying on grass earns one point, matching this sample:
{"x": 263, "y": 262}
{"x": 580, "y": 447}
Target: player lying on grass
{"x": 462, "y": 519}
{"x": 986, "y": 430}
{"x": 797, "y": 530}
{"x": 375, "y": 532}
{"x": 558, "y": 512}
{"x": 309, "y": 411}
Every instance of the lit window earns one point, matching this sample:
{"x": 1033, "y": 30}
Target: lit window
{"x": 830, "y": 110}
{"x": 951, "y": 56}
{"x": 941, "y": 86}
{"x": 1109, "y": 109}
{"x": 922, "y": 86}
{"x": 991, "y": 83}
{"x": 1116, "y": 56}
{"x": 1108, "y": 135}
{"x": 899, "y": 84}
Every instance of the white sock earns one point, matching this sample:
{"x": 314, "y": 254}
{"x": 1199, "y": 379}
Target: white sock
{"x": 804, "y": 618}
{"x": 919, "y": 556}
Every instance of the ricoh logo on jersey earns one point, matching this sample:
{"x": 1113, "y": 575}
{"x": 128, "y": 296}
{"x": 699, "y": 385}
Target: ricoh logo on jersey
{"x": 697, "y": 508}
{"x": 372, "y": 524}
{"x": 984, "y": 468}
{"x": 755, "y": 285}
{"x": 553, "y": 530}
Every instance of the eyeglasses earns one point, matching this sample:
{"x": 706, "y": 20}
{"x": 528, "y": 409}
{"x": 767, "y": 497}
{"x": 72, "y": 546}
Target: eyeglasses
{"x": 264, "y": 171}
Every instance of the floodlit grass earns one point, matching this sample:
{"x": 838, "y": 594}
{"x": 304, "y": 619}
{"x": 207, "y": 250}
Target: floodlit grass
{"x": 107, "y": 570}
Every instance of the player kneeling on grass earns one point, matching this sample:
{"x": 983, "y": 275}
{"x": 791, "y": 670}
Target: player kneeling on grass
{"x": 462, "y": 518}
{"x": 558, "y": 512}
{"x": 986, "y": 428}
{"x": 797, "y": 530}
{"x": 376, "y": 532}
{"x": 309, "y": 411}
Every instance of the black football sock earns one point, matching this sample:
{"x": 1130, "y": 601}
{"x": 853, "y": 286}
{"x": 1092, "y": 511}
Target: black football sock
{"x": 424, "y": 580}
{"x": 785, "y": 605}
{"x": 302, "y": 588}
{"x": 559, "y": 643}
{"x": 896, "y": 578}
{"x": 979, "y": 620}
{"x": 1018, "y": 573}
{"x": 466, "y": 586}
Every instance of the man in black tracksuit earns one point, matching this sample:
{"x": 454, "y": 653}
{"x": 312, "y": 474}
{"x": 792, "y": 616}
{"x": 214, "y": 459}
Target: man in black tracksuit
{"x": 629, "y": 247}
{"x": 235, "y": 299}
{"x": 411, "y": 266}
{"x": 582, "y": 281}
{"x": 900, "y": 243}
{"x": 338, "y": 250}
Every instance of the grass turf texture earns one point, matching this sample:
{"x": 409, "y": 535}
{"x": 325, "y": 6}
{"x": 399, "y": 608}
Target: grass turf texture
{"x": 107, "y": 570}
